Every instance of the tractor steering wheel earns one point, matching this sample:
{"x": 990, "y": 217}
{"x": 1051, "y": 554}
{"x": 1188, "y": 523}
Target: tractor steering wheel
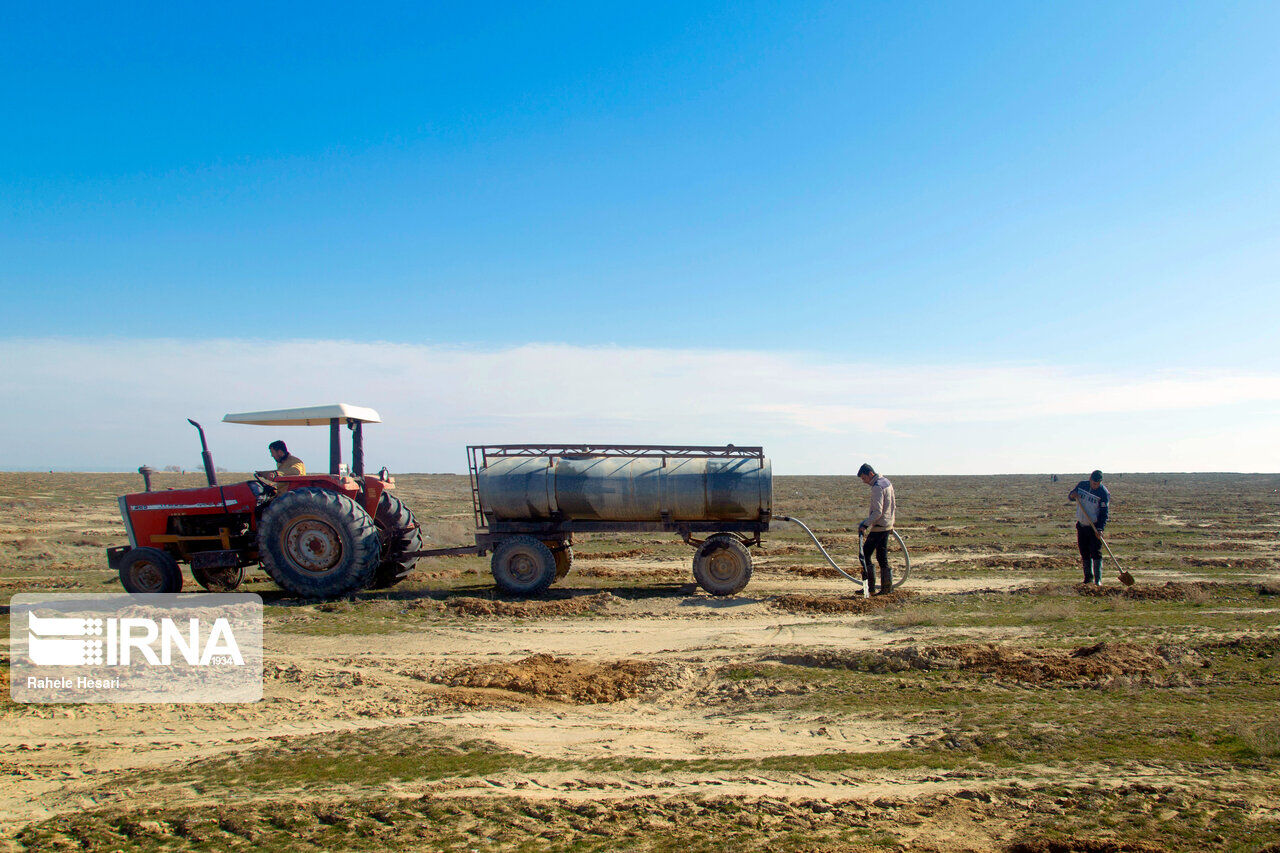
{"x": 270, "y": 484}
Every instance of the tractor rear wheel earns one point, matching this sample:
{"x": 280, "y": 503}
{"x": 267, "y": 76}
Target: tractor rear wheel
{"x": 523, "y": 566}
{"x": 399, "y": 534}
{"x": 150, "y": 570}
{"x": 722, "y": 565}
{"x": 318, "y": 544}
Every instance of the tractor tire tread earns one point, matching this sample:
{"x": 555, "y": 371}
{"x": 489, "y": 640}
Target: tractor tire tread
{"x": 394, "y": 515}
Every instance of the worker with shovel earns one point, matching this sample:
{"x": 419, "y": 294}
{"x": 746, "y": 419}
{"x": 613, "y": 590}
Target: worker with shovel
{"x": 1092, "y": 502}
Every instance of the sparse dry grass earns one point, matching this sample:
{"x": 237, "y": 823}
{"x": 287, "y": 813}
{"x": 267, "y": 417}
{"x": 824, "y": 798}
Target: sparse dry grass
{"x": 1163, "y": 739}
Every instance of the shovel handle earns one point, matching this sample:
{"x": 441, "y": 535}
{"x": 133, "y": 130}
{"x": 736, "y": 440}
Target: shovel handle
{"x": 1108, "y": 547}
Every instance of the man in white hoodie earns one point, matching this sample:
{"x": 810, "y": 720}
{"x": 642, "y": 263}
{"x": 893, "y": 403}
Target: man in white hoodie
{"x": 878, "y": 525}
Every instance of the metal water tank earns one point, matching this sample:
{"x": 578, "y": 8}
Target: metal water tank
{"x": 599, "y": 488}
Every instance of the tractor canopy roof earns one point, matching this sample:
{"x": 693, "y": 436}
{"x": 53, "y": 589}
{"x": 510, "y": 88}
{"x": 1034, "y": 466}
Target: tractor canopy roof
{"x": 306, "y": 416}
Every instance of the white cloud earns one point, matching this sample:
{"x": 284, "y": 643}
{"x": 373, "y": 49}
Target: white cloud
{"x": 116, "y": 404}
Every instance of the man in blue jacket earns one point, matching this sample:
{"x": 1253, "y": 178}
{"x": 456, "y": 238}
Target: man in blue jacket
{"x": 1092, "y": 502}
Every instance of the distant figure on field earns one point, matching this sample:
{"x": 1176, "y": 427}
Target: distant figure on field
{"x": 1092, "y": 502}
{"x": 878, "y": 525}
{"x": 287, "y": 465}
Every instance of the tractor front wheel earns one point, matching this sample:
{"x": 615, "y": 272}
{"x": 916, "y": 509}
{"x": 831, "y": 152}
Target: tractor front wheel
{"x": 318, "y": 544}
{"x": 150, "y": 570}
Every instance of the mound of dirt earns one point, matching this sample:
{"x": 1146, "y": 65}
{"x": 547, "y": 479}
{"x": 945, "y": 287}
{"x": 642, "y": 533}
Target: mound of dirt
{"x": 1171, "y": 591}
{"x": 665, "y": 574}
{"x": 42, "y": 584}
{"x": 562, "y": 679}
{"x": 1266, "y": 645}
{"x": 783, "y": 549}
{"x": 802, "y": 603}
{"x": 1230, "y": 562}
{"x": 804, "y": 571}
{"x": 577, "y": 606}
{"x": 1206, "y": 546}
{"x": 1099, "y": 662}
{"x": 613, "y": 555}
{"x": 1035, "y": 561}
{"x": 1083, "y": 845}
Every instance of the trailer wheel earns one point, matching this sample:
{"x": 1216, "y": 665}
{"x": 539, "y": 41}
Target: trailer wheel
{"x": 318, "y": 544}
{"x": 399, "y": 534}
{"x": 722, "y": 565}
{"x": 523, "y": 566}
{"x": 563, "y": 552}
{"x": 150, "y": 570}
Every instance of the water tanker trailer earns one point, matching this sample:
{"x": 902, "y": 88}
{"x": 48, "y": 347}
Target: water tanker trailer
{"x": 530, "y": 499}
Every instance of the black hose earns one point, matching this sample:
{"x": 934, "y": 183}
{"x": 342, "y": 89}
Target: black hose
{"x": 906, "y": 571}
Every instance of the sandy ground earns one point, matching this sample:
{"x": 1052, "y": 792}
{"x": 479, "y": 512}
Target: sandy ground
{"x": 644, "y": 677}
{"x": 381, "y": 683}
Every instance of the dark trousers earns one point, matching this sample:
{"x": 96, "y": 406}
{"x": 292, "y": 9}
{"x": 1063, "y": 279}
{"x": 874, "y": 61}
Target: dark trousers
{"x": 1090, "y": 553}
{"x": 877, "y": 542}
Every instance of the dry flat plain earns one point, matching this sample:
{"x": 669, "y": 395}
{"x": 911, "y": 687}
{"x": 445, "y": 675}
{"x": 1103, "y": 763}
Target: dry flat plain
{"x": 991, "y": 705}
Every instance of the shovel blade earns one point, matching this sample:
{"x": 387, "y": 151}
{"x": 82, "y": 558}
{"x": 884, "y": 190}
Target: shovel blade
{"x": 1126, "y": 579}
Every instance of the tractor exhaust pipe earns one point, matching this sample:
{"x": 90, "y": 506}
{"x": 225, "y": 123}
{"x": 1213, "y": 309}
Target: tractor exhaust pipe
{"x": 205, "y": 455}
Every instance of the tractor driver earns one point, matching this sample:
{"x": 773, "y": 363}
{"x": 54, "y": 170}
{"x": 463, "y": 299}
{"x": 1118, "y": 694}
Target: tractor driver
{"x": 287, "y": 465}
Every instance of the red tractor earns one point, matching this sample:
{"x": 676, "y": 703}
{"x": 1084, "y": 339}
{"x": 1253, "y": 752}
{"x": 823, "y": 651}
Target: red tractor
{"x": 316, "y": 535}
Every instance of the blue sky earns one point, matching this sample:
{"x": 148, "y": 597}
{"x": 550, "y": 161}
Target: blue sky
{"x": 1088, "y": 188}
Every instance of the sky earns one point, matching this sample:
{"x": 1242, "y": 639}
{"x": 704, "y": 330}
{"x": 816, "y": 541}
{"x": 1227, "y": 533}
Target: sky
{"x": 944, "y": 238}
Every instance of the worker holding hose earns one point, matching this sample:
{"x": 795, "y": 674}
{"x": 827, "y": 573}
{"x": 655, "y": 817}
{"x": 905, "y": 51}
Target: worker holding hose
{"x": 878, "y": 525}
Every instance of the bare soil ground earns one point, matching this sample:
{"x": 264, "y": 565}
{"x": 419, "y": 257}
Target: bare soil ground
{"x": 994, "y": 704}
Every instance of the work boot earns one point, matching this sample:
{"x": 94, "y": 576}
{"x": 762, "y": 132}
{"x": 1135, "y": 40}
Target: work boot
{"x": 1088, "y": 570}
{"x": 886, "y": 581}
{"x": 1097, "y": 570}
